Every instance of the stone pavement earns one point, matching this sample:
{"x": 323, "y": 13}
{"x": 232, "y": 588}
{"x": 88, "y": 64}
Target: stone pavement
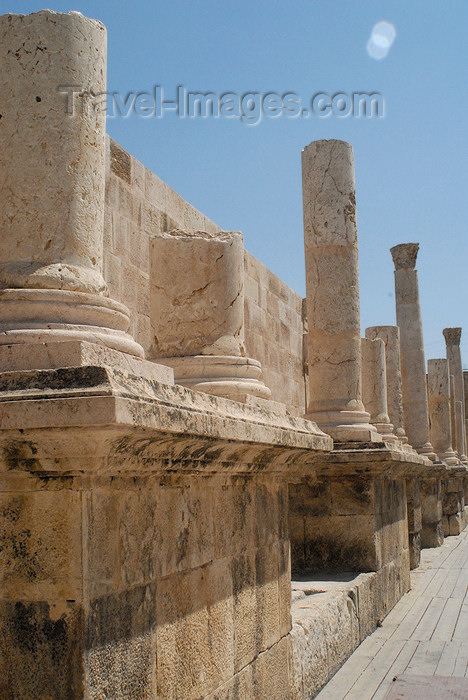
{"x": 422, "y": 643}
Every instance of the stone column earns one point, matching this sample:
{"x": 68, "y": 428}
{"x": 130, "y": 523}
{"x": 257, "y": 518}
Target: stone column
{"x": 197, "y": 313}
{"x": 332, "y": 285}
{"x": 438, "y": 383}
{"x": 413, "y": 364}
{"x": 374, "y": 387}
{"x": 452, "y": 341}
{"x": 465, "y": 387}
{"x": 459, "y": 425}
{"x": 391, "y": 337}
{"x": 52, "y": 171}
{"x": 453, "y": 419}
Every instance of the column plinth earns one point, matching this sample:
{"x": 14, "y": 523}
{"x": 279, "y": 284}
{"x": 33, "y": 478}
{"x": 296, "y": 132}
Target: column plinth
{"x": 413, "y": 364}
{"x": 52, "y": 159}
{"x": 332, "y": 284}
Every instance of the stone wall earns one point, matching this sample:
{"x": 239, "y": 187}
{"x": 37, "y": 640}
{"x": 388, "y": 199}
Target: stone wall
{"x": 140, "y": 205}
{"x": 273, "y": 333}
{"x": 203, "y": 602}
{"x": 144, "y": 544}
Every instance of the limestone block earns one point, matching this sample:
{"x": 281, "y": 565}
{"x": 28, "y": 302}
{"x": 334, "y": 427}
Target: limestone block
{"x": 173, "y": 528}
{"x": 34, "y": 635}
{"x": 120, "y": 647}
{"x": 244, "y": 609}
{"x": 41, "y": 546}
{"x": 102, "y": 514}
{"x": 197, "y": 295}
{"x": 233, "y": 505}
{"x": 445, "y": 525}
{"x": 270, "y": 513}
{"x": 267, "y": 593}
{"x": 309, "y": 653}
{"x": 413, "y": 505}
{"x": 240, "y": 685}
{"x": 270, "y": 672}
{"x": 195, "y": 638}
{"x": 353, "y": 496}
{"x": 284, "y": 586}
{"x": 74, "y": 353}
{"x": 342, "y": 630}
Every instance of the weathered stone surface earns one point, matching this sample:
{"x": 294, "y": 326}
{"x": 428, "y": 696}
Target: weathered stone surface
{"x": 331, "y": 616}
{"x": 391, "y": 337}
{"x": 113, "y": 486}
{"x": 197, "y": 312}
{"x": 75, "y": 353}
{"x": 197, "y": 293}
{"x": 52, "y": 201}
{"x": 332, "y": 283}
{"x": 438, "y": 387}
{"x": 352, "y": 523}
{"x": 41, "y": 649}
{"x": 413, "y": 364}
{"x": 374, "y": 386}
{"x": 54, "y": 240}
{"x": 432, "y": 534}
{"x": 452, "y": 341}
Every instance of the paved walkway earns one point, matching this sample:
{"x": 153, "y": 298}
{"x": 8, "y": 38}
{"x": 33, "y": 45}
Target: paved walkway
{"x": 426, "y": 634}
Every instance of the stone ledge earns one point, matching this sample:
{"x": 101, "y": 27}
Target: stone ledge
{"x": 91, "y": 419}
{"x": 373, "y": 459}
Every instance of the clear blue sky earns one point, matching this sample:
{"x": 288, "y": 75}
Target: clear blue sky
{"x": 411, "y": 165}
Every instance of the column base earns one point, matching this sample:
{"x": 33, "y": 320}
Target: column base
{"x": 345, "y": 426}
{"x": 386, "y": 431}
{"x": 450, "y": 458}
{"x": 231, "y": 377}
{"x": 56, "y": 315}
{"x": 427, "y": 451}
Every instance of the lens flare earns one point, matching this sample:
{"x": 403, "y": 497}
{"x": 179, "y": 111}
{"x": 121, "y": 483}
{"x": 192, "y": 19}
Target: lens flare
{"x": 381, "y": 39}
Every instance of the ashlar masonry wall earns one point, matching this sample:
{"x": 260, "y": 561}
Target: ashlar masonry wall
{"x": 140, "y": 205}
